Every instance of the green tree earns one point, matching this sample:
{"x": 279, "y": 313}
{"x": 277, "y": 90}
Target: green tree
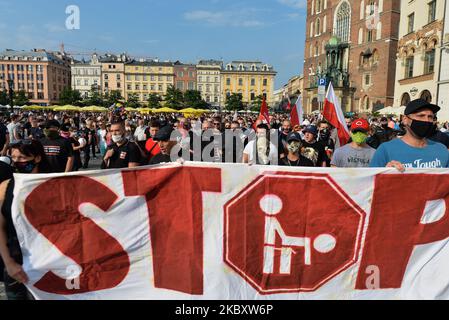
{"x": 257, "y": 103}
{"x": 69, "y": 96}
{"x": 234, "y": 102}
{"x": 95, "y": 98}
{"x": 174, "y": 98}
{"x": 193, "y": 99}
{"x": 133, "y": 101}
{"x": 20, "y": 98}
{"x": 112, "y": 97}
{"x": 154, "y": 100}
{"x": 4, "y": 100}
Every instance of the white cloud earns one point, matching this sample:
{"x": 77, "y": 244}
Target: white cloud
{"x": 240, "y": 18}
{"x": 299, "y": 4}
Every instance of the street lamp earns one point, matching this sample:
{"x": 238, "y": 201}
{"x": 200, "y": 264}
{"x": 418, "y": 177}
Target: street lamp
{"x": 11, "y": 93}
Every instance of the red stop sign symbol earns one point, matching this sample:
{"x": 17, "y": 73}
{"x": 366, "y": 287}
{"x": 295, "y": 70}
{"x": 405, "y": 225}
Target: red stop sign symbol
{"x": 288, "y": 232}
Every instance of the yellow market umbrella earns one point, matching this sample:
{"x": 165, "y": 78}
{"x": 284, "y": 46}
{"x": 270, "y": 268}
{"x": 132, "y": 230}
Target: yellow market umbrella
{"x": 67, "y": 108}
{"x": 165, "y": 110}
{"x": 129, "y": 109}
{"x": 94, "y": 109}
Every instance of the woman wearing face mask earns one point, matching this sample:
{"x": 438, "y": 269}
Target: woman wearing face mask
{"x": 414, "y": 150}
{"x": 294, "y": 157}
{"x": 28, "y": 158}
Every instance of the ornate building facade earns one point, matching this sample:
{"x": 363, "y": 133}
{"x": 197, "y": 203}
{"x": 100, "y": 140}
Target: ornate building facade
{"x": 419, "y": 51}
{"x": 443, "y": 84}
{"x": 352, "y": 44}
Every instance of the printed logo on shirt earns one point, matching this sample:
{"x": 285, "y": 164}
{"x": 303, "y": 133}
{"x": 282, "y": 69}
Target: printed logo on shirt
{"x": 123, "y": 155}
{"x": 356, "y": 160}
{"x": 424, "y": 165}
{"x": 52, "y": 150}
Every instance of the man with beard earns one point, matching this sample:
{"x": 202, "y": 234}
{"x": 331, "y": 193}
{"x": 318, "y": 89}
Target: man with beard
{"x": 261, "y": 151}
{"x": 283, "y": 135}
{"x": 414, "y": 150}
{"x": 381, "y": 134}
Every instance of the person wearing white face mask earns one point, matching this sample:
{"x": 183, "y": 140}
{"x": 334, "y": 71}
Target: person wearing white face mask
{"x": 122, "y": 153}
{"x": 261, "y": 151}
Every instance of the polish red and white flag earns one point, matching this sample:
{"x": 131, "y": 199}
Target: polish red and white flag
{"x": 334, "y": 115}
{"x": 297, "y": 114}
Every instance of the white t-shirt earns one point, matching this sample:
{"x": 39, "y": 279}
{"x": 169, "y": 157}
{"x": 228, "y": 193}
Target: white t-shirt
{"x": 139, "y": 134}
{"x": 13, "y": 127}
{"x": 249, "y": 150}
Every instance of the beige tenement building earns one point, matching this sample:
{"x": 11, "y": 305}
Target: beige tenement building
{"x": 145, "y": 77}
{"x": 208, "y": 74}
{"x": 86, "y": 75}
{"x": 113, "y": 73}
{"x": 419, "y": 51}
{"x": 250, "y": 79}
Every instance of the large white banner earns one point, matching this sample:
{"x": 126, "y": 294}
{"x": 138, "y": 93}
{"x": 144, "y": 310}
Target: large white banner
{"x": 203, "y": 231}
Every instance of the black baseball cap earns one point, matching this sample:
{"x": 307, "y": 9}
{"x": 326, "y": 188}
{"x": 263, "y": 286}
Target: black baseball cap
{"x": 311, "y": 129}
{"x": 418, "y": 104}
{"x": 163, "y": 134}
{"x": 294, "y": 136}
{"x": 52, "y": 124}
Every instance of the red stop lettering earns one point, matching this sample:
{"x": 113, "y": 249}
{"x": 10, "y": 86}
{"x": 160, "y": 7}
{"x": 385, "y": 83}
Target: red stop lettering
{"x": 174, "y": 199}
{"x": 52, "y": 208}
{"x": 395, "y": 226}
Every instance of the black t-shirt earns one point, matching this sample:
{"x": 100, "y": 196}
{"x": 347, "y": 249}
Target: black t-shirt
{"x": 5, "y": 172}
{"x": 441, "y": 137}
{"x": 160, "y": 158}
{"x": 37, "y": 133}
{"x": 3, "y": 132}
{"x": 317, "y": 154}
{"x": 11, "y": 235}
{"x": 58, "y": 152}
{"x": 124, "y": 155}
{"x": 301, "y": 162}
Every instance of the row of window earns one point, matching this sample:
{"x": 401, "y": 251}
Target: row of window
{"x": 190, "y": 85}
{"x": 431, "y": 16}
{"x": 21, "y": 77}
{"x": 11, "y": 67}
{"x": 86, "y": 82}
{"x": 141, "y": 78}
{"x": 208, "y": 88}
{"x": 253, "y": 82}
{"x": 208, "y": 79}
{"x": 180, "y": 74}
{"x": 429, "y": 64}
{"x": 252, "y": 95}
{"x": 145, "y": 87}
{"x": 88, "y": 72}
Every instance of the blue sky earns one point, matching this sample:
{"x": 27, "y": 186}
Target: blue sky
{"x": 268, "y": 30}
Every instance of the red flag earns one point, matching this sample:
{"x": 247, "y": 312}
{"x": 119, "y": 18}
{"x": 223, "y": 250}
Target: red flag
{"x": 264, "y": 116}
{"x": 297, "y": 115}
{"x": 332, "y": 112}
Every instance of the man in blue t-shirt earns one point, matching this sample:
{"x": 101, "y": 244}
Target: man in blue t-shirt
{"x": 414, "y": 150}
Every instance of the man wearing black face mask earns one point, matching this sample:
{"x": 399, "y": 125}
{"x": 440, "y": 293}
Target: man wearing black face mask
{"x": 414, "y": 150}
{"x": 439, "y": 136}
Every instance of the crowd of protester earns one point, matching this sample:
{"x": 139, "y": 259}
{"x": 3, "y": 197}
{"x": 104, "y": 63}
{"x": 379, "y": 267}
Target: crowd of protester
{"x": 49, "y": 142}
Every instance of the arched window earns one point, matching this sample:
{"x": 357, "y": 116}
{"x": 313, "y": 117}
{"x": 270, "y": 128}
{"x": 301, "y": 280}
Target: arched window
{"x": 317, "y": 49}
{"x": 318, "y": 6}
{"x": 343, "y": 21}
{"x": 405, "y": 100}
{"x": 318, "y": 27}
{"x": 427, "y": 96}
